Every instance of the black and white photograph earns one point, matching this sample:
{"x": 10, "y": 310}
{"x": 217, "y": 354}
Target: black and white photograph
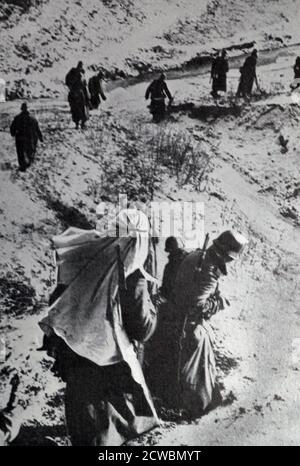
{"x": 149, "y": 225}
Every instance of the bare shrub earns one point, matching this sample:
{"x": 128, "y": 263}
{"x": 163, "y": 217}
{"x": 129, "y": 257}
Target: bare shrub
{"x": 132, "y": 172}
{"x": 139, "y": 165}
{"x": 183, "y": 156}
{"x": 17, "y": 295}
{"x": 139, "y": 159}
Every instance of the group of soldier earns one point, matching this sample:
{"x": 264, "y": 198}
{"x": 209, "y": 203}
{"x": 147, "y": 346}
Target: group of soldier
{"x": 125, "y": 347}
{"x": 248, "y": 76}
{"x": 83, "y": 97}
{"x": 105, "y": 307}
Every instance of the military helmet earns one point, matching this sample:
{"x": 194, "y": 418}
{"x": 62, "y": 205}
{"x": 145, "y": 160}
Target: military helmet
{"x": 230, "y": 243}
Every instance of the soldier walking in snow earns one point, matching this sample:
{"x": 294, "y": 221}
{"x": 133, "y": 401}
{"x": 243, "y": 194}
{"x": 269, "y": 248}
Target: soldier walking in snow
{"x": 248, "y": 76}
{"x": 96, "y": 90}
{"x": 26, "y": 131}
{"x": 197, "y": 299}
{"x": 101, "y": 309}
{"x": 158, "y": 91}
{"x": 162, "y": 351}
{"x": 219, "y": 70}
{"x": 296, "y": 82}
{"x": 78, "y": 96}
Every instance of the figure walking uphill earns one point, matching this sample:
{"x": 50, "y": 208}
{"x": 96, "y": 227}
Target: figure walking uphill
{"x": 100, "y": 310}
{"x": 162, "y": 350}
{"x": 248, "y": 77}
{"x": 26, "y": 131}
{"x": 78, "y": 95}
{"x": 219, "y": 70}
{"x": 158, "y": 91}
{"x": 197, "y": 299}
{"x": 96, "y": 90}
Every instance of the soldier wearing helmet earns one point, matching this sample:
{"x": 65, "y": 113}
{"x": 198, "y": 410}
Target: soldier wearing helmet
{"x": 158, "y": 91}
{"x": 197, "y": 290}
{"x": 197, "y": 299}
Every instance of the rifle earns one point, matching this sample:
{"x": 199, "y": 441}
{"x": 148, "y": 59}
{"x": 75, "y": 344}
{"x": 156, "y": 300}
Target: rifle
{"x": 198, "y": 267}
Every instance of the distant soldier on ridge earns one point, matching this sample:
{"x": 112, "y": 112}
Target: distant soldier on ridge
{"x": 158, "y": 91}
{"x": 219, "y": 70}
{"x": 96, "y": 90}
{"x": 26, "y": 131}
{"x": 248, "y": 76}
{"x": 78, "y": 96}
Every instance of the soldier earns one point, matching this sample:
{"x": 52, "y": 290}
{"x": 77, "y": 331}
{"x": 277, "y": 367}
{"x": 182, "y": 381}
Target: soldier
{"x": 26, "y": 131}
{"x": 158, "y": 91}
{"x": 219, "y": 72}
{"x": 162, "y": 351}
{"x": 197, "y": 299}
{"x": 96, "y": 90}
{"x": 74, "y": 75}
{"x": 213, "y": 74}
{"x": 107, "y": 401}
{"x": 296, "y": 83}
{"x": 248, "y": 76}
{"x": 174, "y": 247}
{"x": 78, "y": 96}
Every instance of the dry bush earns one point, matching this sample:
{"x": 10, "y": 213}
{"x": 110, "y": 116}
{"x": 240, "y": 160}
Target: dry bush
{"x": 17, "y": 295}
{"x": 132, "y": 172}
{"x": 138, "y": 167}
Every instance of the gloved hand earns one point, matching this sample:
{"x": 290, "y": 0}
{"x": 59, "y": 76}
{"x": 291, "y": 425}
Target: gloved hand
{"x": 222, "y": 301}
{"x": 158, "y": 300}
